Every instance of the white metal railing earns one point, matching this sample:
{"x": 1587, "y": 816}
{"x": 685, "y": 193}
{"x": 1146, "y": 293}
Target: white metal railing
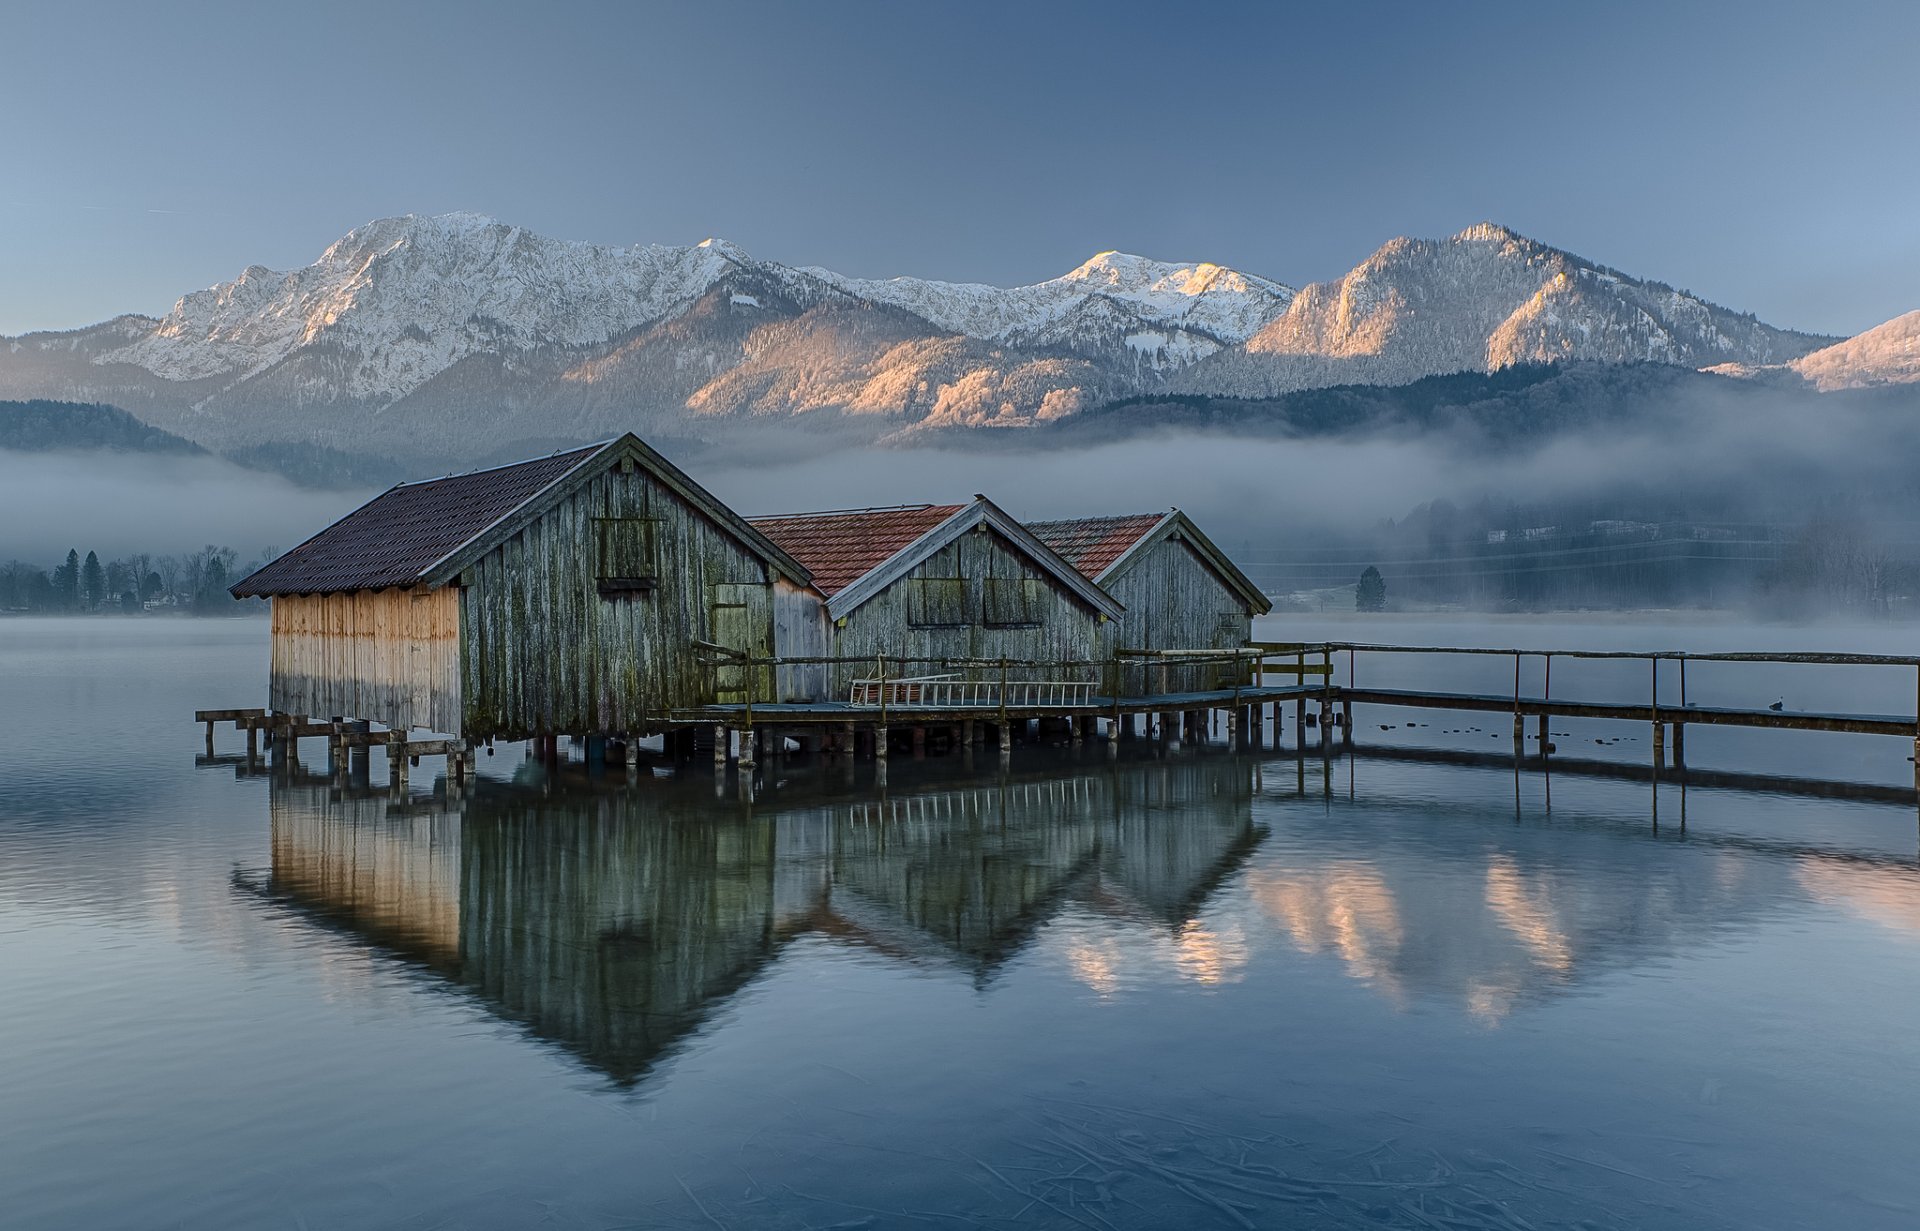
{"x": 953, "y": 692}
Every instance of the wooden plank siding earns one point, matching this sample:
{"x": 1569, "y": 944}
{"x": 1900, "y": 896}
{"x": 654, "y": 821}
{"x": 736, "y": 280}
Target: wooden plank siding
{"x": 1174, "y": 601}
{"x": 800, "y": 630}
{"x": 970, "y": 587}
{"x": 544, "y": 652}
{"x": 391, "y": 656}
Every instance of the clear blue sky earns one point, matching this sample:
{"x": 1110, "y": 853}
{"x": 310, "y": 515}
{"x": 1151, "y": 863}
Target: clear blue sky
{"x": 1765, "y": 155}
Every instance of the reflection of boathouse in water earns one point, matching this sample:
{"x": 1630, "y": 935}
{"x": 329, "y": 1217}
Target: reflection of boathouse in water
{"x": 613, "y": 923}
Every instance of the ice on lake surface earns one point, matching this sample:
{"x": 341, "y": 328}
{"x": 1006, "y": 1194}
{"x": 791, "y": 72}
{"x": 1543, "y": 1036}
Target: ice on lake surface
{"x": 1397, "y": 989}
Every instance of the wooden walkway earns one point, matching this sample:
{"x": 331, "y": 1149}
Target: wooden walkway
{"x": 930, "y": 704}
{"x": 1644, "y": 712}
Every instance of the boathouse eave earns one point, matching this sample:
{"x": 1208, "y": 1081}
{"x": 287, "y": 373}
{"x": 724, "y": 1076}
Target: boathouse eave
{"x": 1177, "y": 523}
{"x": 449, "y": 567}
{"x": 981, "y": 512}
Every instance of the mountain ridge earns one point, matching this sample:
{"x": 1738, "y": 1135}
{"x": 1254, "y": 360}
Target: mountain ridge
{"x": 450, "y": 336}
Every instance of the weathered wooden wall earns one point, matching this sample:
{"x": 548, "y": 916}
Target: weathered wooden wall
{"x": 800, "y": 630}
{"x": 947, "y": 608}
{"x": 1174, "y": 601}
{"x": 391, "y": 656}
{"x": 544, "y": 652}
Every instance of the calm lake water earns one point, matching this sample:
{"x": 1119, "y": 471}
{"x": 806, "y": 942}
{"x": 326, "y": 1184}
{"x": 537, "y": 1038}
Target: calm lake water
{"x": 1412, "y": 988}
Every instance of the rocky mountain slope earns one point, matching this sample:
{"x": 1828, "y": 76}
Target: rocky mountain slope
{"x": 1887, "y": 354}
{"x": 459, "y": 337}
{"x": 1482, "y": 300}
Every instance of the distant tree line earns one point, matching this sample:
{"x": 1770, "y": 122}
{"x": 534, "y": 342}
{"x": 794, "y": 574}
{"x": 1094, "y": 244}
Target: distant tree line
{"x": 196, "y": 583}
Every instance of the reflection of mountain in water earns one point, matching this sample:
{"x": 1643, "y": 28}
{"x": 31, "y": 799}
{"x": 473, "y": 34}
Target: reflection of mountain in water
{"x": 614, "y": 922}
{"x": 1420, "y": 903}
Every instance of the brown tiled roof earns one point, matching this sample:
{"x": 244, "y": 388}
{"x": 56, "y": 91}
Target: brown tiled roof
{"x": 1092, "y": 544}
{"x": 401, "y": 533}
{"x": 840, "y": 548}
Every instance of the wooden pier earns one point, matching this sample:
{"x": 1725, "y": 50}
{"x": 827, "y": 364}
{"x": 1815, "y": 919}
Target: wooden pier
{"x": 348, "y": 742}
{"x": 920, "y": 707}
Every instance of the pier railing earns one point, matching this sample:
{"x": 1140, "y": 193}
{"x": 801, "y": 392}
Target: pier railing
{"x": 951, "y": 682}
{"x": 953, "y": 692}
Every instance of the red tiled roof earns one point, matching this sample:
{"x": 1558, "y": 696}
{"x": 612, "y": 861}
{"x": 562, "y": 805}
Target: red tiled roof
{"x": 840, "y": 548}
{"x": 395, "y": 537}
{"x": 1092, "y": 544}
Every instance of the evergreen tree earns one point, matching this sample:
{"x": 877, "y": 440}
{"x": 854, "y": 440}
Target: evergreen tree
{"x": 213, "y": 595}
{"x": 66, "y": 582}
{"x": 1371, "y": 593}
{"x": 93, "y": 582}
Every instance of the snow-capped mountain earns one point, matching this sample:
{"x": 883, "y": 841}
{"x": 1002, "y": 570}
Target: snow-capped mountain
{"x": 1484, "y": 299}
{"x": 458, "y": 336}
{"x": 407, "y": 298}
{"x": 1167, "y": 315}
{"x": 1887, "y": 354}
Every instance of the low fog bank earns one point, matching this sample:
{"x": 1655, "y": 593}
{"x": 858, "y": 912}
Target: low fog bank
{"x": 1683, "y": 491}
{"x": 1780, "y": 501}
{"x": 117, "y": 503}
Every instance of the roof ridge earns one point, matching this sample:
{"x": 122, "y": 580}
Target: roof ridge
{"x": 877, "y": 508}
{"x": 525, "y": 461}
{"x": 1061, "y": 521}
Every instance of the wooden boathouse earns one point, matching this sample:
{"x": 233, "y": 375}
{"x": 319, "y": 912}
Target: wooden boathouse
{"x": 1180, "y": 592}
{"x": 563, "y": 595}
{"x": 600, "y": 593}
{"x": 936, "y": 583}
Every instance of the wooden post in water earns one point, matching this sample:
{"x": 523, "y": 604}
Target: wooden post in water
{"x": 397, "y": 759}
{"x": 1300, "y": 700}
{"x": 1519, "y": 722}
{"x": 360, "y": 761}
{"x": 880, "y": 734}
{"x": 1546, "y": 694}
{"x": 721, "y": 738}
{"x": 1680, "y": 733}
{"x": 1323, "y": 719}
{"x": 1659, "y": 729}
{"x": 747, "y": 734}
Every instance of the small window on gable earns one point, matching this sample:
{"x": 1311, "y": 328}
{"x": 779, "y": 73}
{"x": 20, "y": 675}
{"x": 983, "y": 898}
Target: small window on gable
{"x": 1012, "y": 602}
{"x": 625, "y": 563}
{"x": 936, "y": 602}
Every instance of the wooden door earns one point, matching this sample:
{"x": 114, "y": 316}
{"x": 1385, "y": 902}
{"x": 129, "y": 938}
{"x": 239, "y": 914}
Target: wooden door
{"x": 741, "y": 617}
